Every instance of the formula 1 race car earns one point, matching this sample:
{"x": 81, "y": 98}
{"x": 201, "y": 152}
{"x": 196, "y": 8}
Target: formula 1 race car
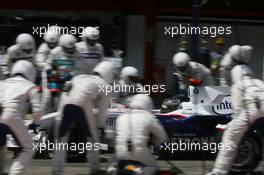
{"x": 209, "y": 104}
{"x": 194, "y": 128}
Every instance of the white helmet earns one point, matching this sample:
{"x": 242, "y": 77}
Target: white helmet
{"x": 235, "y": 52}
{"x": 25, "y": 41}
{"x": 181, "y": 59}
{"x": 51, "y": 37}
{"x": 141, "y": 102}
{"x": 128, "y": 71}
{"x": 106, "y": 70}
{"x": 25, "y": 68}
{"x": 67, "y": 41}
{"x": 240, "y": 71}
{"x": 91, "y": 33}
{"x": 246, "y": 51}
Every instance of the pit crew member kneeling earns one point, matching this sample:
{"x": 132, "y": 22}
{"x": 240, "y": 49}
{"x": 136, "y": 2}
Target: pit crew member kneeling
{"x": 136, "y": 130}
{"x": 77, "y": 103}
{"x": 248, "y": 104}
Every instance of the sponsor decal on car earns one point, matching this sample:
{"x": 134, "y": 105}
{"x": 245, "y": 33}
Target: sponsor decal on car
{"x": 224, "y": 107}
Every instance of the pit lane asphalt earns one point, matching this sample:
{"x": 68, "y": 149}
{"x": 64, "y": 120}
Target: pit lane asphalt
{"x": 43, "y": 167}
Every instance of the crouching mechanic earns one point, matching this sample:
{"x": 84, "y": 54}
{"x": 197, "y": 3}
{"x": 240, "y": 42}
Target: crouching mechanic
{"x": 63, "y": 65}
{"x": 136, "y": 130}
{"x": 186, "y": 70}
{"x": 64, "y": 59}
{"x": 42, "y": 55}
{"x": 50, "y": 42}
{"x": 248, "y": 104}
{"x": 24, "y": 49}
{"x": 129, "y": 84}
{"x": 76, "y": 106}
{"x": 91, "y": 51}
{"x": 15, "y": 94}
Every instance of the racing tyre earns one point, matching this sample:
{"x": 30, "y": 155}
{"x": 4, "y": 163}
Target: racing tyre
{"x": 249, "y": 155}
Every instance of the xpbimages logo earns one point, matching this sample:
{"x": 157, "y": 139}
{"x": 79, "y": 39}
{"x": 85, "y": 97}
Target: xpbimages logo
{"x": 131, "y": 89}
{"x": 195, "y": 144}
{"x": 187, "y": 29}
{"x": 73, "y": 30}
{"x": 61, "y": 146}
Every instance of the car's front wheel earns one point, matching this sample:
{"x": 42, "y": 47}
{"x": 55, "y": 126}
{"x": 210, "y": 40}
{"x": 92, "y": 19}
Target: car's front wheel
{"x": 249, "y": 155}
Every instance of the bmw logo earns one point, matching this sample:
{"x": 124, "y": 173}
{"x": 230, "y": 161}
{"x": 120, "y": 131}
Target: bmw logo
{"x": 195, "y": 90}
